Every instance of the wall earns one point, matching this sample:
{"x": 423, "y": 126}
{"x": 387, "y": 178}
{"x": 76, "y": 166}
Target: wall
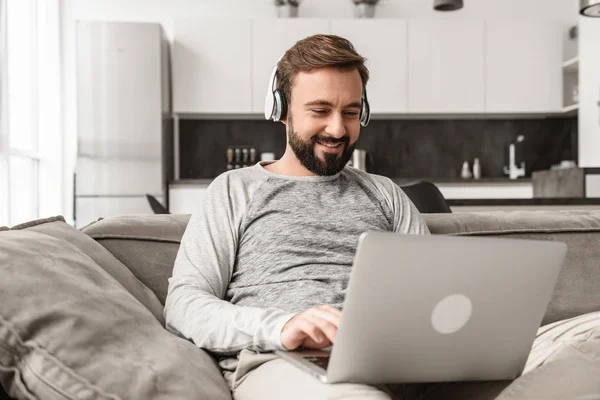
{"x": 163, "y": 11}
{"x": 589, "y": 92}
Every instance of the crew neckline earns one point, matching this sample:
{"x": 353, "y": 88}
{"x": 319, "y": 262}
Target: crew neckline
{"x": 307, "y": 178}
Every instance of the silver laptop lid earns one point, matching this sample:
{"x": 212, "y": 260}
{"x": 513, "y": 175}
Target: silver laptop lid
{"x": 440, "y": 308}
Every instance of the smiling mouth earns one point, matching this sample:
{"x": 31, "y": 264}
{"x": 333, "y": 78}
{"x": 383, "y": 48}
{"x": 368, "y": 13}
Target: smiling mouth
{"x": 329, "y": 145}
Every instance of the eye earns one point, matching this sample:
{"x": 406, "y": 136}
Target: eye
{"x": 320, "y": 111}
{"x": 351, "y": 113}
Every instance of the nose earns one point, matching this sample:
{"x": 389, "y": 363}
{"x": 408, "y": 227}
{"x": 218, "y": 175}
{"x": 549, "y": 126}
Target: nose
{"x": 335, "y": 126}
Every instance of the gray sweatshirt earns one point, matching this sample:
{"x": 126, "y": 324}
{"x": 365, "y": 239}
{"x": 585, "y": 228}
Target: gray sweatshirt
{"x": 261, "y": 247}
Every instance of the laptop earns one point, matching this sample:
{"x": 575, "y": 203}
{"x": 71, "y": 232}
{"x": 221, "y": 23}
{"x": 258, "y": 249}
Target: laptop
{"x": 438, "y": 309}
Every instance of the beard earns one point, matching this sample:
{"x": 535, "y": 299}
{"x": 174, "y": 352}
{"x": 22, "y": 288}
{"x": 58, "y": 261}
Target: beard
{"x": 306, "y": 154}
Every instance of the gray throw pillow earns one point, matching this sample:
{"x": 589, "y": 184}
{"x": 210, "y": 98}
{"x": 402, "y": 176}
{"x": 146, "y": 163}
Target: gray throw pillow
{"x": 58, "y": 228}
{"x": 69, "y": 330}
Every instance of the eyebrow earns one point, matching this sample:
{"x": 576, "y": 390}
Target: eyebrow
{"x": 329, "y": 104}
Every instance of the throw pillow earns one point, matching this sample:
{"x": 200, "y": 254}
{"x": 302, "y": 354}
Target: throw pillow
{"x": 58, "y": 228}
{"x": 69, "y": 330}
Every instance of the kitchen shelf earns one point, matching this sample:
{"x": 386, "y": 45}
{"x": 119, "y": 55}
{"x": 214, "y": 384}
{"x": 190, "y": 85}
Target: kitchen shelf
{"x": 571, "y": 110}
{"x": 571, "y": 65}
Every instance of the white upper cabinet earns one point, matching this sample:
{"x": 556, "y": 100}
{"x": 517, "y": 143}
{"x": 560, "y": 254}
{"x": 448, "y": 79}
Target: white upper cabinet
{"x": 211, "y": 66}
{"x": 383, "y": 43}
{"x": 270, "y": 39}
{"x": 446, "y": 66}
{"x": 416, "y": 66}
{"x": 523, "y": 66}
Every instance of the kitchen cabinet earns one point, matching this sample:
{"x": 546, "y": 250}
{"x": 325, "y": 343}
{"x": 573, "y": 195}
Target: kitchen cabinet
{"x": 523, "y": 69}
{"x": 184, "y": 198}
{"x": 211, "y": 66}
{"x": 487, "y": 190}
{"x": 270, "y": 39}
{"x": 592, "y": 185}
{"x": 446, "y": 66}
{"x": 383, "y": 43}
{"x": 222, "y": 66}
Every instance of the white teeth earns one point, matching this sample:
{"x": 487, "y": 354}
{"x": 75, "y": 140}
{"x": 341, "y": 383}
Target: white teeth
{"x": 330, "y": 145}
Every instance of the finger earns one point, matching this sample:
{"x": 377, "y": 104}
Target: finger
{"x": 293, "y": 338}
{"x": 312, "y": 330}
{"x": 328, "y": 315}
{"x": 311, "y": 344}
{"x": 330, "y": 309}
{"x": 326, "y": 327}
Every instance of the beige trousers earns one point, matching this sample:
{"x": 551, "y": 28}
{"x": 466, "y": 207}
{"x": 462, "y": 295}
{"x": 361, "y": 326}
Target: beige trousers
{"x": 564, "y": 363}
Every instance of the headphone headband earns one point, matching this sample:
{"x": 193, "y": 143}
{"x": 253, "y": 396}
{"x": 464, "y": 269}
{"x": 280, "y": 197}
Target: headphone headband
{"x": 276, "y": 106}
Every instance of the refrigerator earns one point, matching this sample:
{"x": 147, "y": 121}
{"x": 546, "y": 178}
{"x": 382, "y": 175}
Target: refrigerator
{"x": 124, "y": 123}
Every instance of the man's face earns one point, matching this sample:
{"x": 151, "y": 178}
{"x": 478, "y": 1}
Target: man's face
{"x": 323, "y": 121}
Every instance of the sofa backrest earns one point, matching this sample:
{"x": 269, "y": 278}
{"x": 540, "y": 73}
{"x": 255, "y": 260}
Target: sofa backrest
{"x": 148, "y": 245}
{"x": 577, "y": 290}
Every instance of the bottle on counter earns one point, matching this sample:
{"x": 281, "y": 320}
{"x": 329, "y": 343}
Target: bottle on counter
{"x": 476, "y": 169}
{"x": 245, "y": 158}
{"x": 229, "y": 158}
{"x": 465, "y": 172}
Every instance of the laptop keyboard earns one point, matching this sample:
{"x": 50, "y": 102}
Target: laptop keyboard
{"x": 321, "y": 361}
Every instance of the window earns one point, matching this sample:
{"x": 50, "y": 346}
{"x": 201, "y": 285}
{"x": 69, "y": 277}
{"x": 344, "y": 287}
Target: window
{"x": 30, "y": 139}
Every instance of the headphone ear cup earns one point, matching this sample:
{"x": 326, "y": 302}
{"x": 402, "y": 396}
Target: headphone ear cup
{"x": 283, "y": 105}
{"x": 280, "y": 108}
{"x": 276, "y": 106}
{"x": 365, "y": 113}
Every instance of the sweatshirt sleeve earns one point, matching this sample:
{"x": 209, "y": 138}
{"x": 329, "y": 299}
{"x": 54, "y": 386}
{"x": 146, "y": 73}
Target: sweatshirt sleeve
{"x": 195, "y": 307}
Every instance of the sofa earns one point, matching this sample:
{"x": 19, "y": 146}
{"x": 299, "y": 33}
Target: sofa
{"x": 81, "y": 310}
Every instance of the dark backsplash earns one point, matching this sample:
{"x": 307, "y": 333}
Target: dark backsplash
{"x": 396, "y": 148}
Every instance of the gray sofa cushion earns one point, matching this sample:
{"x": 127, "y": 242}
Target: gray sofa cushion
{"x": 58, "y": 228}
{"x": 514, "y": 222}
{"x": 69, "y": 330}
{"x": 146, "y": 244}
{"x": 576, "y": 290}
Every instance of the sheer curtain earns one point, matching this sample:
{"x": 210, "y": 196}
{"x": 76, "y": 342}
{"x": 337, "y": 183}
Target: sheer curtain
{"x": 4, "y": 173}
{"x": 30, "y": 135}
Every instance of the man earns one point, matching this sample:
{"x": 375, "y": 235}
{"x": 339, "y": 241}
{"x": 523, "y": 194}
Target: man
{"x": 265, "y": 261}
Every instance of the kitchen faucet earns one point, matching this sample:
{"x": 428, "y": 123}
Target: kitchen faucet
{"x": 512, "y": 170}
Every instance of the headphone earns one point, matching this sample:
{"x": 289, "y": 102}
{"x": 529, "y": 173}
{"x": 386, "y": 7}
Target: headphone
{"x": 276, "y": 105}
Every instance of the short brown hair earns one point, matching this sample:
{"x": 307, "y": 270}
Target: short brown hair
{"x": 318, "y": 51}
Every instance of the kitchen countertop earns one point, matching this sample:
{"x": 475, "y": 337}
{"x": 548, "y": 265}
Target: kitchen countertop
{"x": 190, "y": 182}
{"x": 539, "y": 201}
{"x": 578, "y": 201}
{"x": 397, "y": 180}
{"x": 485, "y": 180}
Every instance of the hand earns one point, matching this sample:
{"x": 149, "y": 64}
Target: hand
{"x": 314, "y": 328}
